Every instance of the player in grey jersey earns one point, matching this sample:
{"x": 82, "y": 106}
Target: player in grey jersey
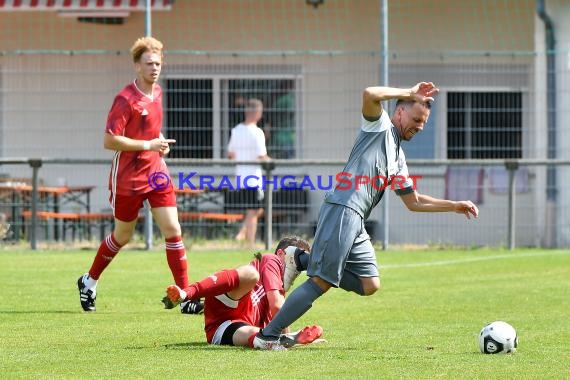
{"x": 342, "y": 254}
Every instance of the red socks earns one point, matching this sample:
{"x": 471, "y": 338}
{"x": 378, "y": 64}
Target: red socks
{"x": 250, "y": 340}
{"x": 216, "y": 284}
{"x": 105, "y": 254}
{"x": 176, "y": 257}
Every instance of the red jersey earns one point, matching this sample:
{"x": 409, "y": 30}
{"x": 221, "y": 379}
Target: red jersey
{"x": 253, "y": 308}
{"x": 139, "y": 117}
{"x": 271, "y": 270}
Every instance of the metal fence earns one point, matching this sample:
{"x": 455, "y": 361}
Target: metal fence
{"x": 511, "y": 195}
{"x": 491, "y": 107}
{"x": 503, "y": 79}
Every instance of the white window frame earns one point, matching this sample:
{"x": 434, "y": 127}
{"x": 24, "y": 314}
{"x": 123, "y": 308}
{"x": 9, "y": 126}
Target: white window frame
{"x": 441, "y": 119}
{"x": 218, "y": 115}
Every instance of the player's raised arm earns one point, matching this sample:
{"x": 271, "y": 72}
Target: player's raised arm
{"x": 373, "y": 96}
{"x": 415, "y": 201}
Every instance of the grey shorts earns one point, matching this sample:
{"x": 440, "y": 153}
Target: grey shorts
{"x": 341, "y": 244}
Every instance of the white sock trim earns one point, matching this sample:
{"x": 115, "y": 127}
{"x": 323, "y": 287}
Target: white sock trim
{"x": 89, "y": 282}
{"x": 183, "y": 295}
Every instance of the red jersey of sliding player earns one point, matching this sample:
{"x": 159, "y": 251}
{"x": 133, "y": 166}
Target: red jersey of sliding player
{"x": 253, "y": 308}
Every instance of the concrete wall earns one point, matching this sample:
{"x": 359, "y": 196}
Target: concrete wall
{"x": 55, "y": 105}
{"x": 560, "y": 14}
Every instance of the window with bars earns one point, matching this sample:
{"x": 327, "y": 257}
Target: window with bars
{"x": 200, "y": 114}
{"x": 189, "y": 118}
{"x": 484, "y": 125}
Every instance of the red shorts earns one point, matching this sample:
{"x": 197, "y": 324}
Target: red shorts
{"x": 126, "y": 207}
{"x": 220, "y": 309}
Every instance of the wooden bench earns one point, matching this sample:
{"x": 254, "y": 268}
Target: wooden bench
{"x": 210, "y": 224}
{"x": 104, "y": 220}
{"x": 69, "y": 219}
{"x": 76, "y": 221}
{"x": 101, "y": 220}
{"x": 221, "y": 217}
{"x": 51, "y": 215}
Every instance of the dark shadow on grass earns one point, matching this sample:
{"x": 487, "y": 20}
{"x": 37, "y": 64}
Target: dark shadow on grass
{"x": 38, "y": 312}
{"x": 176, "y": 346}
{"x": 201, "y": 346}
{"x": 188, "y": 345}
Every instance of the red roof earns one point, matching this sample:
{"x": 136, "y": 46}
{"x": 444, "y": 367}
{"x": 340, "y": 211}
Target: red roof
{"x": 83, "y": 5}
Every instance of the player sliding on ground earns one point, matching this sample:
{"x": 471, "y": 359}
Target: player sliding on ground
{"x": 342, "y": 255}
{"x": 238, "y": 302}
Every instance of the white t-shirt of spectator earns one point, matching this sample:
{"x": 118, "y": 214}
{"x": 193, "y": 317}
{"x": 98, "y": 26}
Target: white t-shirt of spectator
{"x": 247, "y": 142}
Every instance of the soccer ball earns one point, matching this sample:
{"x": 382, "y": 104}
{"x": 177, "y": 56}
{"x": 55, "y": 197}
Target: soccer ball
{"x": 498, "y": 338}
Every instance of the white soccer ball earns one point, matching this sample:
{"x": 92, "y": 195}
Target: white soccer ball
{"x": 498, "y": 338}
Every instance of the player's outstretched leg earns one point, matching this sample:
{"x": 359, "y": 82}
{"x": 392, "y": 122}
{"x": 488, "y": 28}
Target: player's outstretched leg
{"x": 176, "y": 296}
{"x": 307, "y": 335}
{"x": 296, "y": 304}
{"x": 218, "y": 283}
{"x": 87, "y": 283}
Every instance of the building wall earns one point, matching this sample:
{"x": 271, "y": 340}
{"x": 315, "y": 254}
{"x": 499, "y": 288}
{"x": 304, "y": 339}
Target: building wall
{"x": 55, "y": 105}
{"x": 560, "y": 14}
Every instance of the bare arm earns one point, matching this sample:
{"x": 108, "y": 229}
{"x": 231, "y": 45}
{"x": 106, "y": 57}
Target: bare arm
{"x": 125, "y": 144}
{"x": 424, "y": 203}
{"x": 275, "y": 301}
{"x": 232, "y": 156}
{"x": 373, "y": 96}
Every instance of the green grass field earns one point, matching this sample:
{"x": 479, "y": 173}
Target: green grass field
{"x": 423, "y": 324}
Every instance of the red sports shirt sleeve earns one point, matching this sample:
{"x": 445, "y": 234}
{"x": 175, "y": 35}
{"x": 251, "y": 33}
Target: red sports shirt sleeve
{"x": 119, "y": 116}
{"x": 272, "y": 273}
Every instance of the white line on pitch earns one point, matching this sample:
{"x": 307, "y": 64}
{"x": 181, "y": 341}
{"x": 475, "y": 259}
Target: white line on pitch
{"x": 471, "y": 259}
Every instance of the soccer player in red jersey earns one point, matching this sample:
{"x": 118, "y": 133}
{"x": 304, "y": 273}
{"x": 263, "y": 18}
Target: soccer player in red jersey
{"x": 139, "y": 173}
{"x": 239, "y": 302}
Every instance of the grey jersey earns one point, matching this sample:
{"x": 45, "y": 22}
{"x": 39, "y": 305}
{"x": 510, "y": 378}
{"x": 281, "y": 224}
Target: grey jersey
{"x": 375, "y": 158}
